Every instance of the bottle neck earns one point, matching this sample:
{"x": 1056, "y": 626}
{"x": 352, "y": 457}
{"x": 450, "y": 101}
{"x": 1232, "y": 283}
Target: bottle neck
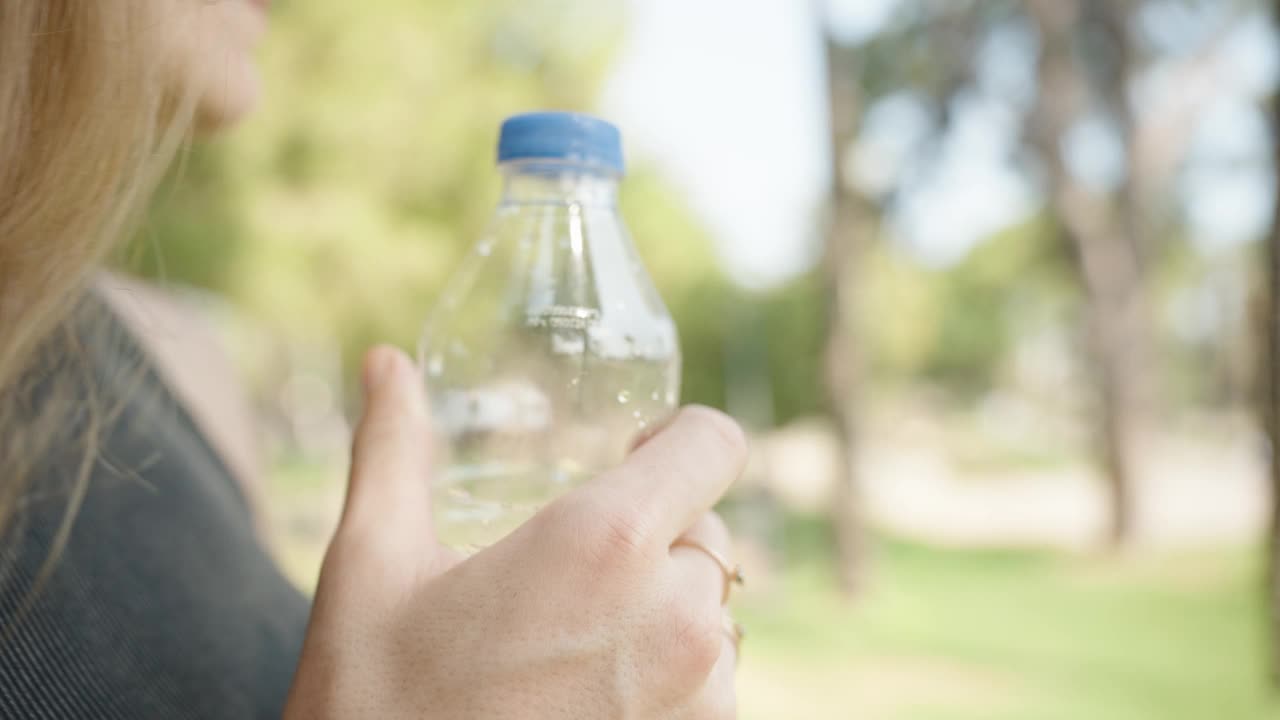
{"x": 555, "y": 183}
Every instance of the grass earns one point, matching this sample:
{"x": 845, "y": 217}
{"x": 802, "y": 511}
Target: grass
{"x": 961, "y": 635}
{"x": 953, "y": 635}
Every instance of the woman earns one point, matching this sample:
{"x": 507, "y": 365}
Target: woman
{"x": 133, "y": 583}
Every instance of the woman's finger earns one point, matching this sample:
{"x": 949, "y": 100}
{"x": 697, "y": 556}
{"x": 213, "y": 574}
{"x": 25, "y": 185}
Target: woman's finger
{"x": 681, "y": 472}
{"x": 389, "y": 490}
{"x": 720, "y": 696}
{"x": 702, "y": 559}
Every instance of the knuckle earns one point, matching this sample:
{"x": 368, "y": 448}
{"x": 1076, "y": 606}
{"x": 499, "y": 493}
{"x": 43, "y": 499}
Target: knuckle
{"x": 619, "y": 533}
{"x": 695, "y": 640}
{"x": 606, "y": 535}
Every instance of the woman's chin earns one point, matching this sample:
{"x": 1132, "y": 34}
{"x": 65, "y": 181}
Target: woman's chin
{"x": 228, "y": 100}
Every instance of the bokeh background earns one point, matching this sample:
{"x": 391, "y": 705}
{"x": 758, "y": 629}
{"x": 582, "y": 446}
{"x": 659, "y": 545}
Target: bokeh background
{"x": 985, "y": 279}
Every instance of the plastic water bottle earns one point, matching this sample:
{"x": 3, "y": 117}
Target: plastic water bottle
{"x": 550, "y": 350}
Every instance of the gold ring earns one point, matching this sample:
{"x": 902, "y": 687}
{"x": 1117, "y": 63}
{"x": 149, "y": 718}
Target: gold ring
{"x": 732, "y": 573}
{"x": 735, "y": 631}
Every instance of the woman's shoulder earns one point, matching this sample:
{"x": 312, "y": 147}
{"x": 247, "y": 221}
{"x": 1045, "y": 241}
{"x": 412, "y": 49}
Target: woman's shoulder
{"x": 144, "y": 590}
{"x": 174, "y": 327}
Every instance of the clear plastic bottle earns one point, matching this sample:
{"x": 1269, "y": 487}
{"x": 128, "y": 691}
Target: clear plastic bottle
{"x": 550, "y": 350}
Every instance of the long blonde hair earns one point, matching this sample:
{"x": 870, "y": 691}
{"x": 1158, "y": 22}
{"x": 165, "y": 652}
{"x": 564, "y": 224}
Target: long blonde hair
{"x": 88, "y": 122}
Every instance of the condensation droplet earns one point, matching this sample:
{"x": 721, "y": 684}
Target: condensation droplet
{"x": 484, "y": 249}
{"x": 653, "y": 396}
{"x": 435, "y": 365}
{"x": 624, "y": 397}
{"x": 671, "y": 397}
{"x": 575, "y": 382}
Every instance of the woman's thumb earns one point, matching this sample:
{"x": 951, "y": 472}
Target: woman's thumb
{"x": 389, "y": 489}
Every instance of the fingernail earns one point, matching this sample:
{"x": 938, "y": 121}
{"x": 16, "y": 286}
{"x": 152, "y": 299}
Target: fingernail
{"x": 377, "y": 368}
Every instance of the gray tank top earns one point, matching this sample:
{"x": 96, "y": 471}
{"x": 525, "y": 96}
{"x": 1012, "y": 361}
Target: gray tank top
{"x": 163, "y": 603}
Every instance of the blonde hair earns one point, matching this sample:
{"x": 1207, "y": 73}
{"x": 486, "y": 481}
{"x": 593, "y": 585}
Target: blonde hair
{"x": 87, "y": 125}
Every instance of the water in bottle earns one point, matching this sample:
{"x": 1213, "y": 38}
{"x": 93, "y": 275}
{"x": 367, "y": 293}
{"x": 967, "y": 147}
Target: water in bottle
{"x": 550, "y": 351}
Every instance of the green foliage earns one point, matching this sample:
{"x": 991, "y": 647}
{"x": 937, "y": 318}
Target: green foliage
{"x": 339, "y": 209}
{"x": 199, "y": 237}
{"x": 957, "y": 326}
{"x": 1208, "y": 311}
{"x": 793, "y": 328}
{"x": 901, "y": 313}
{"x": 679, "y": 256}
{"x": 337, "y": 213}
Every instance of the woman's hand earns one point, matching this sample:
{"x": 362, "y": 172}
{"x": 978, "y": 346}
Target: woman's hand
{"x": 584, "y": 612}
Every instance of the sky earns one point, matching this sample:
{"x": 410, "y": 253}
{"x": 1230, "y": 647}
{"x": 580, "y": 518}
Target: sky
{"x": 728, "y": 100}
{"x": 732, "y": 112}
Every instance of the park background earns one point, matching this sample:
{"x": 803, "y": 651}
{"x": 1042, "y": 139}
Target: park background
{"x": 985, "y": 279}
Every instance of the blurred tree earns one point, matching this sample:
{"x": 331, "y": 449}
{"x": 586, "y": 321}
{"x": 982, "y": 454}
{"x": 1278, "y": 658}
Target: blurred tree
{"x": 1269, "y": 365}
{"x": 368, "y": 169}
{"x": 200, "y": 231}
{"x": 791, "y": 322}
{"x": 848, "y": 225}
{"x": 1098, "y": 224}
{"x": 336, "y": 213}
{"x": 680, "y": 257}
{"x": 928, "y": 53}
{"x": 928, "y": 48}
{"x": 1013, "y": 285}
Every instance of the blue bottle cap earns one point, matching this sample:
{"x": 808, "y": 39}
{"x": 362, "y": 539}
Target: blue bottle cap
{"x": 562, "y": 136}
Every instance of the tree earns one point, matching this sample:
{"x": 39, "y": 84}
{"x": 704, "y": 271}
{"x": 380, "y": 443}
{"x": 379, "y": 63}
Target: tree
{"x": 840, "y": 264}
{"x": 1098, "y": 227}
{"x": 1269, "y": 363}
{"x": 337, "y": 212}
{"x": 932, "y": 53}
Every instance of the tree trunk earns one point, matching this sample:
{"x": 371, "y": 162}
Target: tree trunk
{"x": 843, "y": 374}
{"x": 1100, "y": 231}
{"x": 1124, "y": 299}
{"x": 1270, "y": 375}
